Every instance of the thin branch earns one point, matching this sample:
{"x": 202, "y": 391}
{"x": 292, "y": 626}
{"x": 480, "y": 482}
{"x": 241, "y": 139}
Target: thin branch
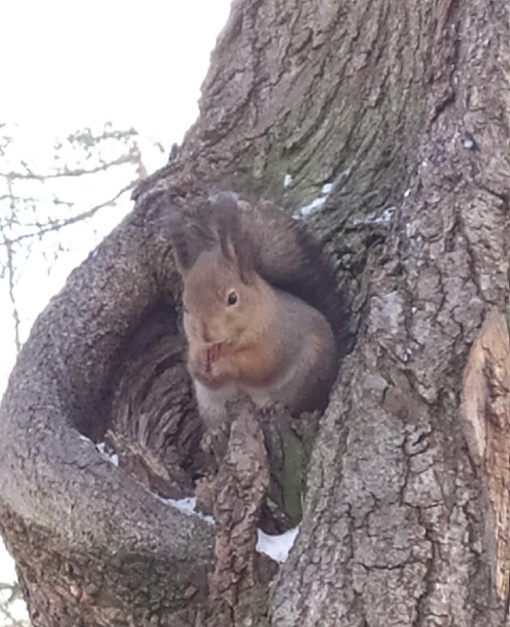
{"x": 54, "y": 201}
{"x": 11, "y": 276}
{"x": 14, "y": 621}
{"x": 14, "y": 589}
{"x": 124, "y": 159}
{"x": 42, "y": 229}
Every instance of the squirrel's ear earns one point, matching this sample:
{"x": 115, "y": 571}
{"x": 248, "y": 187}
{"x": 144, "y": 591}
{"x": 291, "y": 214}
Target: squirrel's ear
{"x": 242, "y": 256}
{"x": 234, "y": 244}
{"x": 179, "y": 238}
{"x": 223, "y": 213}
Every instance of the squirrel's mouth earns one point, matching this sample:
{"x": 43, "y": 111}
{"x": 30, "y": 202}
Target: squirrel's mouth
{"x": 215, "y": 352}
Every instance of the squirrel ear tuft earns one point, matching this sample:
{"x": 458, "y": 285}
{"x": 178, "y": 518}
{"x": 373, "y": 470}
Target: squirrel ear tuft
{"x": 179, "y": 238}
{"x": 223, "y": 214}
{"x": 235, "y": 245}
{"x": 190, "y": 234}
{"x": 244, "y": 259}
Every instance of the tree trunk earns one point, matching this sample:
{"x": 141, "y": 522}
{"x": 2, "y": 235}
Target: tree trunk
{"x": 386, "y": 126}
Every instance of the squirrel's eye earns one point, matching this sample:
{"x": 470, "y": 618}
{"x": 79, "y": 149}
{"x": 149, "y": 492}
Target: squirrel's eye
{"x": 232, "y": 298}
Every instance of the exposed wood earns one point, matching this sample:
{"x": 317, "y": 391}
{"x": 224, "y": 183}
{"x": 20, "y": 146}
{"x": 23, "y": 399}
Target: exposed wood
{"x": 486, "y": 418}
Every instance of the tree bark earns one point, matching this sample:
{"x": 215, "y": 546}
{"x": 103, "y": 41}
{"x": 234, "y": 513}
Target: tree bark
{"x": 402, "y": 111}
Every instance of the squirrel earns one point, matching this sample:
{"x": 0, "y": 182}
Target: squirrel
{"x": 259, "y": 308}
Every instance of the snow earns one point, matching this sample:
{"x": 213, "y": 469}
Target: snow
{"x": 312, "y": 207}
{"x": 376, "y": 217}
{"x": 107, "y": 453}
{"x": 316, "y": 204}
{"x": 187, "y": 506}
{"x": 277, "y": 547}
{"x": 468, "y": 142}
{"x": 381, "y": 218}
{"x": 346, "y": 173}
{"x": 387, "y": 214}
{"x": 287, "y": 181}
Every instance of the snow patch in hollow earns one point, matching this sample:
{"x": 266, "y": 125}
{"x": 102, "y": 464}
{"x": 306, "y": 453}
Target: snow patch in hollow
{"x": 107, "y": 453}
{"x": 187, "y": 506}
{"x": 276, "y": 547}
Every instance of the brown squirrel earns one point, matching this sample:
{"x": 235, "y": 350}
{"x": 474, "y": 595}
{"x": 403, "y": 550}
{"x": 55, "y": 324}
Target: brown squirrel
{"x": 247, "y": 272}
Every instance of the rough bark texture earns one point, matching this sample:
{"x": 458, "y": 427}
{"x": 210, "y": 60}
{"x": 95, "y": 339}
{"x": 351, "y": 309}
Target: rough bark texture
{"x": 243, "y": 478}
{"x": 403, "y": 108}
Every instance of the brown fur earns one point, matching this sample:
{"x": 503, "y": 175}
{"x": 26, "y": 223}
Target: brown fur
{"x": 268, "y": 343}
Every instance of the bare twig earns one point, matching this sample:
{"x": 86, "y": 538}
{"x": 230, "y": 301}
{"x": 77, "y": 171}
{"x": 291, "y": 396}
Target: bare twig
{"x": 58, "y": 224}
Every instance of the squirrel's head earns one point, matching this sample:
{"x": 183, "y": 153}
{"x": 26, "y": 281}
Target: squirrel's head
{"x": 222, "y": 304}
